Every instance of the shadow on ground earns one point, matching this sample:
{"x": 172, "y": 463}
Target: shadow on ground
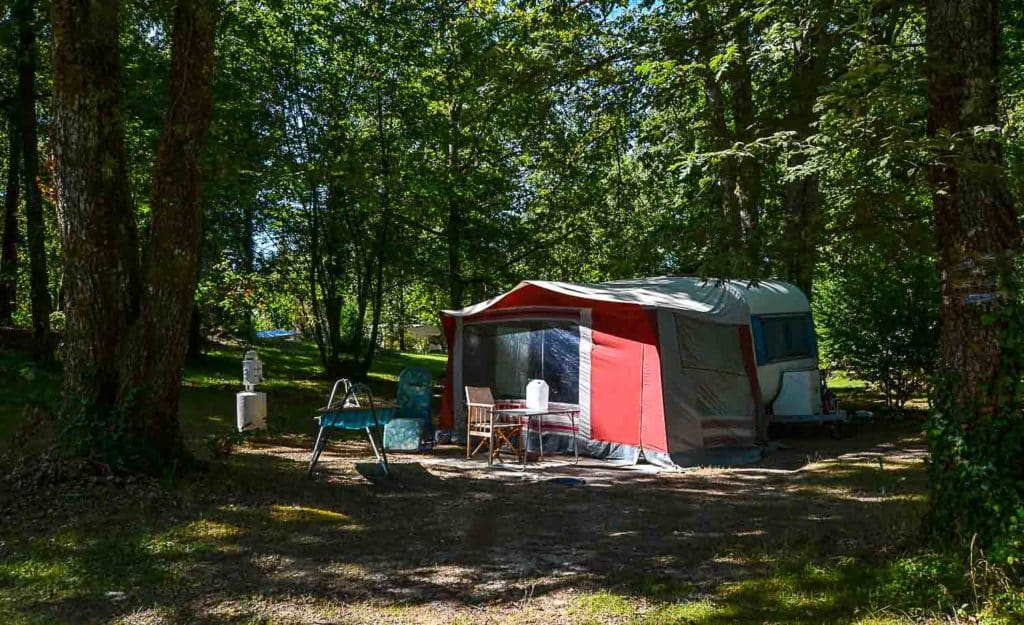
{"x": 795, "y": 539}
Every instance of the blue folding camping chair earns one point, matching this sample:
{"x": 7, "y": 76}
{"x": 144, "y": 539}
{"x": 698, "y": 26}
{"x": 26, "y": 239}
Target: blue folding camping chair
{"x": 411, "y": 425}
{"x": 356, "y": 410}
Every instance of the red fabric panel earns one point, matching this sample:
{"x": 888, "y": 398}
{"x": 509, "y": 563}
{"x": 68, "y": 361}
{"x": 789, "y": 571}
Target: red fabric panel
{"x": 446, "y": 420}
{"x": 622, "y": 396}
{"x": 652, "y": 423}
{"x": 616, "y": 384}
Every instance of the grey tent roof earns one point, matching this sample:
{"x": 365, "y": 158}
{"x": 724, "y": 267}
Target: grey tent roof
{"x": 729, "y": 301}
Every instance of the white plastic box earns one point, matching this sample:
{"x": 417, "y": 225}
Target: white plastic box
{"x": 252, "y": 410}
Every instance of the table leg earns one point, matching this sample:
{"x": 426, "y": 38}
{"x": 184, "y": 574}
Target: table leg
{"x": 540, "y": 435}
{"x": 575, "y": 440}
{"x": 524, "y": 436}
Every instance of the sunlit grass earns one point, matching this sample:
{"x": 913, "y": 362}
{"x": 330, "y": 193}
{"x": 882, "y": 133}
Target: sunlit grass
{"x": 202, "y": 535}
{"x": 307, "y": 515}
{"x": 846, "y": 591}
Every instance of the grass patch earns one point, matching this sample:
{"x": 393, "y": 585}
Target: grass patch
{"x": 909, "y": 589}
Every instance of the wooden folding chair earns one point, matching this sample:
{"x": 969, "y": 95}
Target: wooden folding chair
{"x": 481, "y": 422}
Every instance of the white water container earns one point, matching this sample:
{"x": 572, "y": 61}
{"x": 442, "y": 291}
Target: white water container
{"x": 537, "y": 395}
{"x": 252, "y": 411}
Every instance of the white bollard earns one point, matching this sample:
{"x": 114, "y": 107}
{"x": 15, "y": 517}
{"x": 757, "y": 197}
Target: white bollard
{"x": 252, "y": 410}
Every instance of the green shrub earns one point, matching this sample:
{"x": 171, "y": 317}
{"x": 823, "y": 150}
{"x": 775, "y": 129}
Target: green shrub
{"x": 878, "y": 319}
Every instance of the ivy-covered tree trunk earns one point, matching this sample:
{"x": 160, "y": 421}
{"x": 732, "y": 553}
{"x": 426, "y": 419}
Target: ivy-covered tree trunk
{"x": 9, "y": 251}
{"x": 35, "y": 225}
{"x": 977, "y": 433}
{"x": 97, "y": 222}
{"x": 126, "y": 318}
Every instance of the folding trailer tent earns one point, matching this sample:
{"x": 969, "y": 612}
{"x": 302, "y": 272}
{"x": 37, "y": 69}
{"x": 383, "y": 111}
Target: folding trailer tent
{"x": 677, "y": 370}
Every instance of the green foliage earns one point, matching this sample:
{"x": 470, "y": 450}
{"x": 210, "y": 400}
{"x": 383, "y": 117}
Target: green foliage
{"x": 106, "y": 438}
{"x": 878, "y": 318}
{"x": 977, "y": 446}
{"x": 222, "y": 445}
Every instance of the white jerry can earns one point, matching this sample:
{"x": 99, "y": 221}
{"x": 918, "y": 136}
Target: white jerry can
{"x": 537, "y": 395}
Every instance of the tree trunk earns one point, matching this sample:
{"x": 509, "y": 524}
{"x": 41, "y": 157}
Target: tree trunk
{"x": 456, "y": 285}
{"x": 977, "y": 433}
{"x": 739, "y": 176}
{"x": 97, "y": 222}
{"x": 802, "y": 206}
{"x": 802, "y": 196}
{"x": 748, "y": 169}
{"x": 248, "y": 244}
{"x": 125, "y": 344}
{"x": 335, "y": 345}
{"x": 35, "y": 225}
{"x": 195, "y": 334}
{"x": 455, "y": 225}
{"x": 402, "y": 347}
{"x": 9, "y": 252}
{"x": 170, "y": 266}
{"x": 721, "y": 139}
{"x": 364, "y": 289}
{"x": 334, "y": 257}
{"x": 383, "y": 234}
{"x": 313, "y": 277}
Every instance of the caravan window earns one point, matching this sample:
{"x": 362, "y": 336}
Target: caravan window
{"x": 783, "y": 337}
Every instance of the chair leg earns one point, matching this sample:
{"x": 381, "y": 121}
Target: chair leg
{"x": 469, "y": 440}
{"x": 480, "y": 445}
{"x": 318, "y": 446}
{"x": 381, "y": 454}
{"x": 490, "y": 449}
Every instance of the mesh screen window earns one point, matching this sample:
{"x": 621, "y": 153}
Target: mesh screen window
{"x": 505, "y": 356}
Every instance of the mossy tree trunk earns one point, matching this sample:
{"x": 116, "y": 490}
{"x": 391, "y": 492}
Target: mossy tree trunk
{"x": 127, "y": 315}
{"x": 977, "y": 434}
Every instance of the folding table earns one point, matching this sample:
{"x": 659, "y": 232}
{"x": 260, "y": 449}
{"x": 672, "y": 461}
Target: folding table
{"x": 530, "y": 415}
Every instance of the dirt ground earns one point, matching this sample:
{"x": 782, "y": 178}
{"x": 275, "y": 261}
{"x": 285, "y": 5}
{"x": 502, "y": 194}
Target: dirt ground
{"x": 446, "y": 540}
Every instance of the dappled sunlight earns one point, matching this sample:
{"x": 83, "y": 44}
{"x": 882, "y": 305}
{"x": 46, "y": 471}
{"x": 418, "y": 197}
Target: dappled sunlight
{"x": 307, "y": 515}
{"x": 195, "y": 536}
{"x": 257, "y": 538}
